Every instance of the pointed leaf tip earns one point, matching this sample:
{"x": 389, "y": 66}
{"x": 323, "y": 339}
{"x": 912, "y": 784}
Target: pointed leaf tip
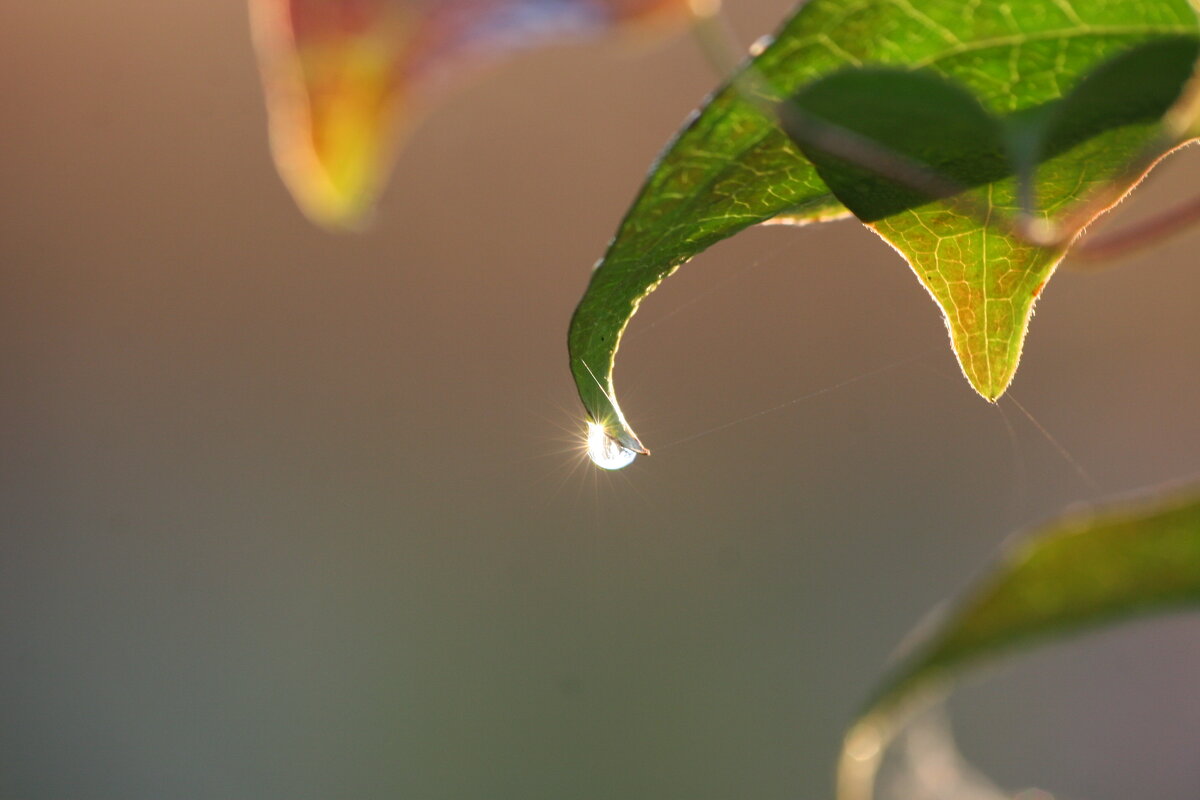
{"x": 951, "y": 183}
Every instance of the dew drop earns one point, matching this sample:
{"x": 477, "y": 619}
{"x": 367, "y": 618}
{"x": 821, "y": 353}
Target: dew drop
{"x": 605, "y": 451}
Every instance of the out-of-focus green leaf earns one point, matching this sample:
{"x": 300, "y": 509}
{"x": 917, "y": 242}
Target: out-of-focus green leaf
{"x": 1083, "y": 571}
{"x": 345, "y": 79}
{"x": 733, "y": 166}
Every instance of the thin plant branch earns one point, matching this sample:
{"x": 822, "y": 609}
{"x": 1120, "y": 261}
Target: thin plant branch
{"x": 1140, "y": 235}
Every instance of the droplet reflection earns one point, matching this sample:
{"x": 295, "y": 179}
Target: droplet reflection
{"x": 605, "y": 451}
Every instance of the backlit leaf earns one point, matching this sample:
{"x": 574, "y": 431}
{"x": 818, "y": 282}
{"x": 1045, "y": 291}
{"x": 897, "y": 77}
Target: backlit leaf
{"x": 1032, "y": 164}
{"x": 733, "y": 166}
{"x": 345, "y": 79}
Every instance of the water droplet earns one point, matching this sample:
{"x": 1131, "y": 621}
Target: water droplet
{"x": 605, "y": 451}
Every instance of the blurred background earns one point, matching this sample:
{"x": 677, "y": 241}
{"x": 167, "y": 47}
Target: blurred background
{"x": 293, "y": 515}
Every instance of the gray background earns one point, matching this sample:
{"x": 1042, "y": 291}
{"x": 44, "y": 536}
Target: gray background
{"x": 289, "y": 515}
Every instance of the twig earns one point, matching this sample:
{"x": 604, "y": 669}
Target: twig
{"x": 1141, "y": 235}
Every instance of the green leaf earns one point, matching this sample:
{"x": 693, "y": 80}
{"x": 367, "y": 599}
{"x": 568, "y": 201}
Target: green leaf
{"x": 1078, "y": 573}
{"x": 967, "y": 185}
{"x": 733, "y": 166}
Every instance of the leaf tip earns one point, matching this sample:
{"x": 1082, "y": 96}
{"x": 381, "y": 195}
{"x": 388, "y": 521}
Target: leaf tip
{"x": 609, "y": 451}
{"x": 619, "y": 432}
{"x": 337, "y": 209}
{"x": 989, "y": 385}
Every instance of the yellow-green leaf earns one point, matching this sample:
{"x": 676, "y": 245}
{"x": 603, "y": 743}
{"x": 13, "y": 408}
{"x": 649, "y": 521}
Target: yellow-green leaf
{"x": 1009, "y": 173}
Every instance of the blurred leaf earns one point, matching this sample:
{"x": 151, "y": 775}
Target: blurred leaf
{"x": 733, "y": 166}
{"x": 345, "y": 79}
{"x": 1080, "y": 572}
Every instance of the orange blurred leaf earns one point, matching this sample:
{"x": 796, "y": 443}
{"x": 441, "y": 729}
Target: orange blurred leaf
{"x": 344, "y": 79}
